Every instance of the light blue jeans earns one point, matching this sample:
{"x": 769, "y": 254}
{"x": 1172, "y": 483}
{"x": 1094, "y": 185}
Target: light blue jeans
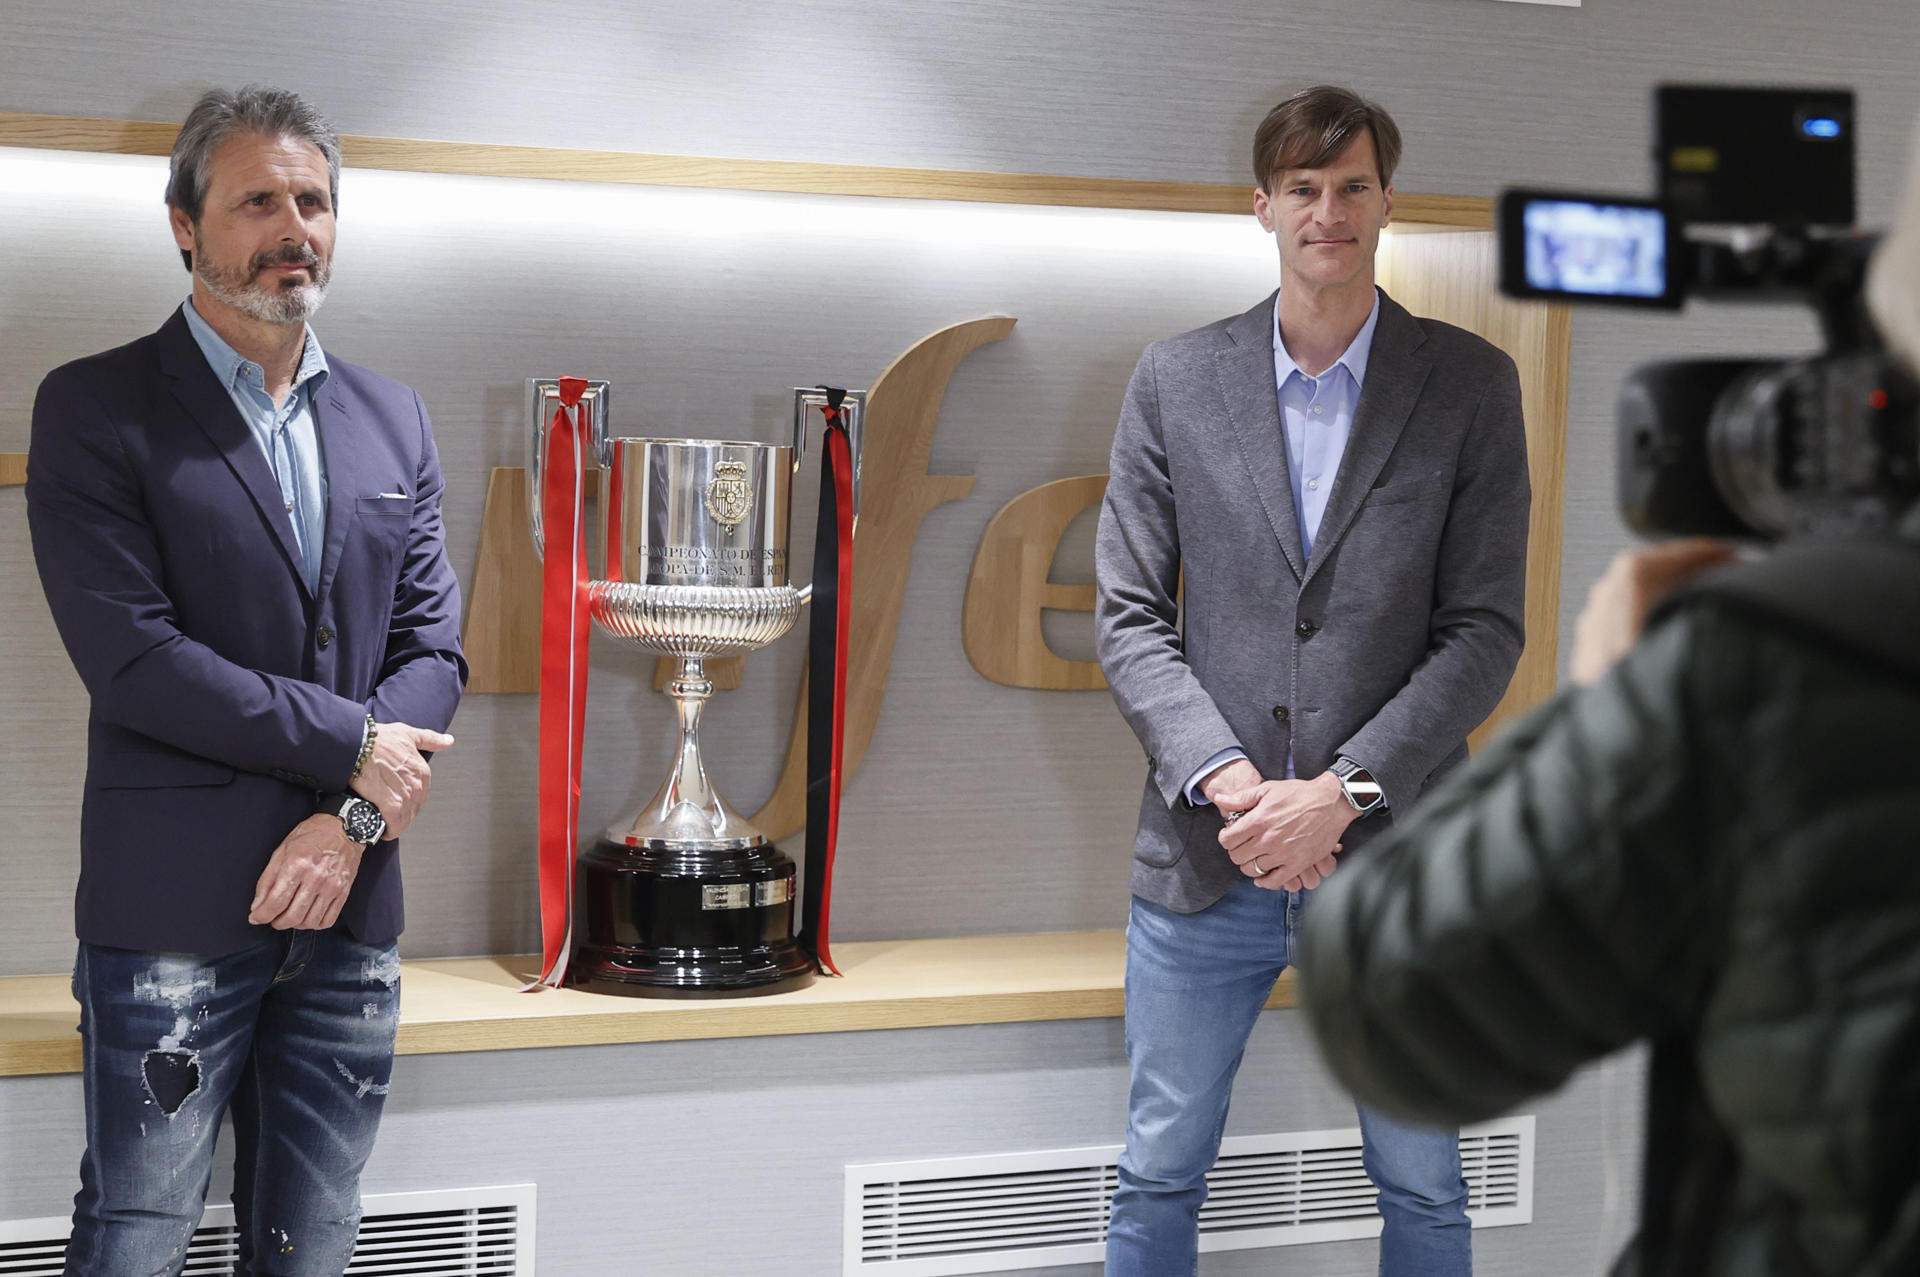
{"x": 293, "y": 1037}
{"x": 1195, "y": 985}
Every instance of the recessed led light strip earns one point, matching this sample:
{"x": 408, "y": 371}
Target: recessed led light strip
{"x": 138, "y": 137}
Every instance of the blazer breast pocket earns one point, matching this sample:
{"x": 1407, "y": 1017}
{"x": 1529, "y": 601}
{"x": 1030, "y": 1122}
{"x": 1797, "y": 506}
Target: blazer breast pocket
{"x": 384, "y": 521}
{"x": 1427, "y": 487}
{"x": 387, "y": 504}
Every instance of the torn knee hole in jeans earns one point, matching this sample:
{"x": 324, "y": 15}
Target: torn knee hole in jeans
{"x": 182, "y": 985}
{"x": 171, "y": 1078}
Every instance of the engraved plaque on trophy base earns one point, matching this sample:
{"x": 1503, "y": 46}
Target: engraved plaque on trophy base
{"x": 674, "y": 923}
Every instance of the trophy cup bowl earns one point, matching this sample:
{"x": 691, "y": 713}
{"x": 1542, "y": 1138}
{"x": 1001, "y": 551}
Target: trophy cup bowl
{"x": 686, "y": 898}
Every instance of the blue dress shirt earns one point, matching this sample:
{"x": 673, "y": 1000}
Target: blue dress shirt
{"x": 1316, "y": 418}
{"x": 284, "y": 431}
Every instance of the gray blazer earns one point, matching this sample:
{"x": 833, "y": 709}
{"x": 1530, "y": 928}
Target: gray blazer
{"x": 1394, "y": 642}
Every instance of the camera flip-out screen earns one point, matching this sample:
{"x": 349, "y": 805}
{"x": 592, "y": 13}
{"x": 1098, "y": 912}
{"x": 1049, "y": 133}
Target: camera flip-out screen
{"x": 1588, "y": 248}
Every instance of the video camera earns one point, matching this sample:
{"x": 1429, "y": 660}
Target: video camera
{"x": 1756, "y": 204}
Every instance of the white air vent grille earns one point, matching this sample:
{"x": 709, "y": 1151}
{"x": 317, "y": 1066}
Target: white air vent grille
{"x": 1036, "y": 1210}
{"x": 468, "y": 1232}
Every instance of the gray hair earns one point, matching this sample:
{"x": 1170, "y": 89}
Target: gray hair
{"x": 255, "y": 109}
{"x": 1893, "y": 283}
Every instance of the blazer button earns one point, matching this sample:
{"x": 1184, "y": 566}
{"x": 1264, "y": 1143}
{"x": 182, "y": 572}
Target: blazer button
{"x": 1306, "y": 629}
{"x": 1279, "y": 713}
{"x": 324, "y": 637}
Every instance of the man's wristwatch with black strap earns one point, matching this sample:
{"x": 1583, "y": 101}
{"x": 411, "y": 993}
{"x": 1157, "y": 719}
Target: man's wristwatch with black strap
{"x": 365, "y": 825}
{"x": 1359, "y": 786}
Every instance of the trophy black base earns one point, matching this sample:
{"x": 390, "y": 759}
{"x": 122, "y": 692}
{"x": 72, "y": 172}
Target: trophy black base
{"x": 687, "y": 923}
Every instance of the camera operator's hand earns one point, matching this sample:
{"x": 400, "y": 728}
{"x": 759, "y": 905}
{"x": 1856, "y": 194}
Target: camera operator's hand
{"x": 1619, "y": 602}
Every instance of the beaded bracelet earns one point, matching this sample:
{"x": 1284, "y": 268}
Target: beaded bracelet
{"x": 366, "y": 747}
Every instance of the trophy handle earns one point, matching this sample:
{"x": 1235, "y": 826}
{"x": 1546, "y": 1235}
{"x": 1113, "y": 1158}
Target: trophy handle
{"x": 542, "y": 399}
{"x": 854, "y": 405}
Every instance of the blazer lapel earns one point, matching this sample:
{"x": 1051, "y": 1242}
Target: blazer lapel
{"x": 207, "y": 402}
{"x": 1245, "y": 367}
{"x": 334, "y": 428}
{"x": 1396, "y": 371}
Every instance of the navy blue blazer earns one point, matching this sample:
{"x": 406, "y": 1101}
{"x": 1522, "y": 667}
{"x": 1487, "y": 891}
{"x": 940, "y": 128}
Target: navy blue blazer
{"x": 224, "y": 690}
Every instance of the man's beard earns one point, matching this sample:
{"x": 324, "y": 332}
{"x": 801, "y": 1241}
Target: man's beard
{"x": 239, "y": 287}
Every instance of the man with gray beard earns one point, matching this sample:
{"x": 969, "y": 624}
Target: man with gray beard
{"x": 240, "y": 540}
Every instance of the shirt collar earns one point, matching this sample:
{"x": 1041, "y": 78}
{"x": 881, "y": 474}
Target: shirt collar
{"x": 231, "y": 367}
{"x": 1358, "y": 352}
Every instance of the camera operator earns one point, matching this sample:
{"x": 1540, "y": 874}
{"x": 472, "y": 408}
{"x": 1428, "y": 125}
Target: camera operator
{"x": 1711, "y": 841}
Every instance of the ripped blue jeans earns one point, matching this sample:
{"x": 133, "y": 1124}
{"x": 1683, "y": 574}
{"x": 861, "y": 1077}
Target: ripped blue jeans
{"x": 293, "y": 1037}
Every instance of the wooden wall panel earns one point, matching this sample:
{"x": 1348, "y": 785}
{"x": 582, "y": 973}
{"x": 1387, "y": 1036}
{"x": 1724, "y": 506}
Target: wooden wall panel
{"x": 1451, "y": 277}
{"x": 135, "y": 137}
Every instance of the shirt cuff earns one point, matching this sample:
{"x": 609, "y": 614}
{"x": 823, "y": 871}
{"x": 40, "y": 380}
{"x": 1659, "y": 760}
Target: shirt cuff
{"x": 1192, "y": 788}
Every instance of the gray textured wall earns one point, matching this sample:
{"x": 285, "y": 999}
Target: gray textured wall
{"x": 982, "y": 808}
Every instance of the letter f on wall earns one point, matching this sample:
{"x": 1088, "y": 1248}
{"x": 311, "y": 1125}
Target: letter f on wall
{"x": 896, "y": 493}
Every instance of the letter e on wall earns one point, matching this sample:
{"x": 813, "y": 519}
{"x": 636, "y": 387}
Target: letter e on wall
{"x": 1008, "y": 589}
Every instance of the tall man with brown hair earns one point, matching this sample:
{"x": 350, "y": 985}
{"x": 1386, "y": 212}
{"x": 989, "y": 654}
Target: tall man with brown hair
{"x": 1343, "y": 489}
{"x": 1705, "y": 841}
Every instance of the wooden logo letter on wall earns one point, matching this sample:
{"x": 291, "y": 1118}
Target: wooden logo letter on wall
{"x": 896, "y": 494}
{"x": 1008, "y": 587}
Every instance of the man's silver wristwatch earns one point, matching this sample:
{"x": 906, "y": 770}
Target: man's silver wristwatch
{"x": 364, "y": 823}
{"x": 1359, "y": 786}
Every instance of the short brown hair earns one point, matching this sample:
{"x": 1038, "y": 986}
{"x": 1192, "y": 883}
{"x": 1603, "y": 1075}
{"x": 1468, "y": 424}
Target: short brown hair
{"x": 1311, "y": 129}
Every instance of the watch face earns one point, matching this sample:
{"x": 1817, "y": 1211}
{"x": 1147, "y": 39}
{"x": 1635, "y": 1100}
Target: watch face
{"x": 1362, "y": 790}
{"x": 363, "y": 821}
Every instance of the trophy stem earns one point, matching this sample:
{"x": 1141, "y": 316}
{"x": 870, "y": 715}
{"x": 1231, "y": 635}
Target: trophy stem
{"x": 690, "y": 690}
{"x": 688, "y": 812}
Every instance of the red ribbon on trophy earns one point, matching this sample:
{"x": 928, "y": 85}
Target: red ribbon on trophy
{"x": 827, "y": 669}
{"x": 564, "y": 630}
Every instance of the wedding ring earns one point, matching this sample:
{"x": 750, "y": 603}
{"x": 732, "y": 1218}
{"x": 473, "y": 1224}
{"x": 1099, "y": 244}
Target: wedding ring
{"x": 1228, "y": 817}
{"x": 1257, "y": 870}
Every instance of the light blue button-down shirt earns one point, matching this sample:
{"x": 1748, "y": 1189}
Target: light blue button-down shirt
{"x": 285, "y": 431}
{"x": 1316, "y": 419}
{"x": 1316, "y": 415}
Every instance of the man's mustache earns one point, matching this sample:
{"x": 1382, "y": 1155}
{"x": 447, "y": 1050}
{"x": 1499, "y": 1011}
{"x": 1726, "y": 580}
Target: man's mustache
{"x": 290, "y": 255}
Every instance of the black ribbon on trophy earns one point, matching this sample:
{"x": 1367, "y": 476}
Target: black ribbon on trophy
{"x": 828, "y": 635}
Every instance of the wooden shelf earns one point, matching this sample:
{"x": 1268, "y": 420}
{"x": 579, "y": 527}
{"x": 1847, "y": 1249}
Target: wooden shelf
{"x": 142, "y": 137}
{"x": 473, "y": 1004}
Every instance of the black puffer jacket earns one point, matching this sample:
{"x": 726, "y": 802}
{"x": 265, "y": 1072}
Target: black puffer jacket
{"x": 1716, "y": 847}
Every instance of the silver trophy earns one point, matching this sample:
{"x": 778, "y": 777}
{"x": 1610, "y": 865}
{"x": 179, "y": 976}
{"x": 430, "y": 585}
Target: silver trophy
{"x": 687, "y": 897}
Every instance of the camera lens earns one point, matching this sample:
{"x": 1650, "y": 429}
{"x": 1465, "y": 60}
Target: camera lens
{"x": 1818, "y": 445}
{"x": 1754, "y": 442}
